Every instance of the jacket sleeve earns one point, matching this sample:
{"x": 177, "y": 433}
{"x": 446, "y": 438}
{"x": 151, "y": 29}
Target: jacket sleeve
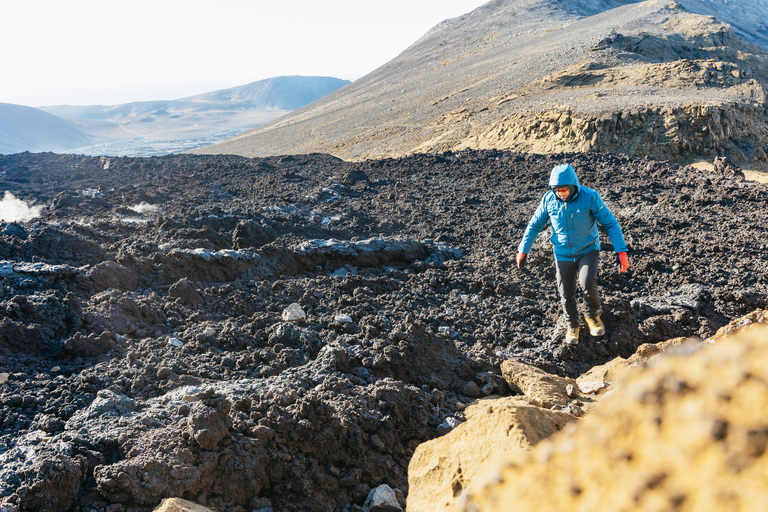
{"x": 535, "y": 225}
{"x": 606, "y": 219}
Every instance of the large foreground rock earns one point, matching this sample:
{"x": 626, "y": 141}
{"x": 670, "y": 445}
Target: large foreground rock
{"x": 442, "y": 469}
{"x": 688, "y": 433}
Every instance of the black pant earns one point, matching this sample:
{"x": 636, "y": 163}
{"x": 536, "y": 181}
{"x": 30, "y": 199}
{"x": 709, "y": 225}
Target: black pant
{"x": 585, "y": 269}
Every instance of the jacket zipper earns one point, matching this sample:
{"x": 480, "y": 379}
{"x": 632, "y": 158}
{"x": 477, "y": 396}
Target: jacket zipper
{"x": 568, "y": 231}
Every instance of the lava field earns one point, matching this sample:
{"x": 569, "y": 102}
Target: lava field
{"x": 144, "y": 351}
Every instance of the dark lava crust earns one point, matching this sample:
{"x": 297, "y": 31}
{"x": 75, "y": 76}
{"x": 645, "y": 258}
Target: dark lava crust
{"x": 141, "y": 312}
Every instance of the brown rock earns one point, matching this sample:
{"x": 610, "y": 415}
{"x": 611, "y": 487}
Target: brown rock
{"x": 755, "y": 320}
{"x": 539, "y": 387}
{"x": 441, "y": 469}
{"x": 90, "y": 345}
{"x": 687, "y": 433}
{"x": 179, "y": 505}
{"x": 209, "y": 425}
{"x": 109, "y": 274}
{"x": 185, "y": 289}
{"x": 55, "y": 484}
{"x": 486, "y": 405}
{"x": 600, "y": 378}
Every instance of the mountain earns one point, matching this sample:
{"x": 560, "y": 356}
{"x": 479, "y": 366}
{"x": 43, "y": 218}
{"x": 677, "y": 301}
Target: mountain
{"x": 30, "y": 129}
{"x": 148, "y": 128}
{"x": 284, "y": 93}
{"x": 642, "y": 78}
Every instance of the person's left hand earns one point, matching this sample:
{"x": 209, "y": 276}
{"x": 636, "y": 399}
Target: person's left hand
{"x": 623, "y": 261}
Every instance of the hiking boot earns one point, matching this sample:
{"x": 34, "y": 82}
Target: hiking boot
{"x": 596, "y": 326}
{"x": 572, "y": 335}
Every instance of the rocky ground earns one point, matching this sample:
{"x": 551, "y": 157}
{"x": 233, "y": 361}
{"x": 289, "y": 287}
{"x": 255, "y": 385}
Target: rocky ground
{"x": 144, "y": 351}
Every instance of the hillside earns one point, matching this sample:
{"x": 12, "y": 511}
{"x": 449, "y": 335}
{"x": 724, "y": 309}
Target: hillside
{"x": 30, "y": 129}
{"x": 546, "y": 76}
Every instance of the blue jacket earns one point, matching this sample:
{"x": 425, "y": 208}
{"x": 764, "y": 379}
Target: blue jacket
{"x": 574, "y": 221}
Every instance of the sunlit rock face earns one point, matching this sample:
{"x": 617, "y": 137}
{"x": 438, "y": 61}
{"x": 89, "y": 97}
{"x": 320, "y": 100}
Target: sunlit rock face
{"x": 687, "y": 433}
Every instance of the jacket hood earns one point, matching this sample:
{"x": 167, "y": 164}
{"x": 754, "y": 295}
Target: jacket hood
{"x": 564, "y": 175}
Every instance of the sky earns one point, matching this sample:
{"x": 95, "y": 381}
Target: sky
{"x": 105, "y": 52}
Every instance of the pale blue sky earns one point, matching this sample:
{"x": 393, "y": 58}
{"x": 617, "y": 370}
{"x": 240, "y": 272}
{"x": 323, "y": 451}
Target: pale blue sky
{"x": 107, "y": 52}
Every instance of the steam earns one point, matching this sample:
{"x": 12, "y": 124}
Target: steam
{"x": 13, "y": 209}
{"x": 144, "y": 207}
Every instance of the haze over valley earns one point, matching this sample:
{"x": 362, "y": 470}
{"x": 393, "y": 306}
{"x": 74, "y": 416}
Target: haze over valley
{"x": 149, "y": 128}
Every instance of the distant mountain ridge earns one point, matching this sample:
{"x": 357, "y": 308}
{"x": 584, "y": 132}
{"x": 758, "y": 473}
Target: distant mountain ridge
{"x": 646, "y": 77}
{"x": 29, "y": 129}
{"x": 284, "y": 93}
{"x": 147, "y": 128}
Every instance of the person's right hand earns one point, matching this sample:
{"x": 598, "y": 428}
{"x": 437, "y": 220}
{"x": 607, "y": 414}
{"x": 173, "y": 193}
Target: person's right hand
{"x": 521, "y": 256}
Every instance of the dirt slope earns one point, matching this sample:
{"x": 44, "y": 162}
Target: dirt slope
{"x": 647, "y": 78}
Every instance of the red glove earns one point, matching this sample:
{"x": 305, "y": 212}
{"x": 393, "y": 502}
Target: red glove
{"x": 521, "y": 256}
{"x": 623, "y": 261}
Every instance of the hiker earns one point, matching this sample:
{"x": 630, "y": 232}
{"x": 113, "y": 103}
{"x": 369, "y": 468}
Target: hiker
{"x": 575, "y": 211}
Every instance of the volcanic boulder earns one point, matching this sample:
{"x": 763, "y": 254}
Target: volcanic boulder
{"x": 686, "y": 433}
{"x": 443, "y": 469}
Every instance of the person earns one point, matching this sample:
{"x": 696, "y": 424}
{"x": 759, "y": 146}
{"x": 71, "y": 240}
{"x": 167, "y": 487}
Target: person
{"x": 574, "y": 212}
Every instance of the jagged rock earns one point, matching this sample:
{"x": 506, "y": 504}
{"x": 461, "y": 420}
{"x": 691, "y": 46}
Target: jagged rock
{"x": 382, "y": 499}
{"x": 106, "y": 403}
{"x": 572, "y": 409}
{"x": 87, "y": 346}
{"x": 753, "y": 321}
{"x": 724, "y": 167}
{"x": 53, "y": 484}
{"x": 472, "y": 390}
{"x": 4, "y": 378}
{"x": 251, "y": 234}
{"x": 539, "y": 387}
{"x": 209, "y": 423}
{"x": 688, "y": 431}
{"x": 185, "y": 289}
{"x": 180, "y": 505}
{"x": 14, "y": 229}
{"x": 109, "y": 274}
{"x": 294, "y": 313}
{"x": 447, "y": 425}
{"x": 492, "y": 383}
{"x": 442, "y": 469}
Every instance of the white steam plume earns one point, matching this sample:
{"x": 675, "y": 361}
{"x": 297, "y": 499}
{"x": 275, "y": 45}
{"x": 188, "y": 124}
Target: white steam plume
{"x": 144, "y": 207}
{"x": 13, "y": 209}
